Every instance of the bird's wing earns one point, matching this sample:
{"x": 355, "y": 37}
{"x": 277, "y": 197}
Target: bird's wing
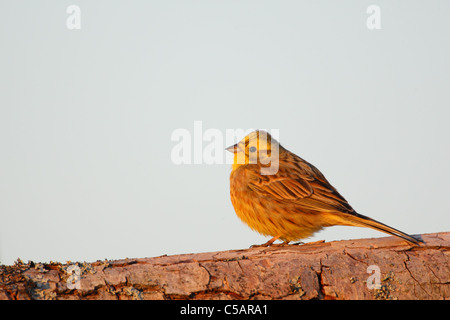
{"x": 300, "y": 182}
{"x": 282, "y": 188}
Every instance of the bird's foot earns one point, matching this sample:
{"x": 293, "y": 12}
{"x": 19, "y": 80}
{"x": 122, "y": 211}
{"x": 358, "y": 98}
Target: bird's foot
{"x": 269, "y": 243}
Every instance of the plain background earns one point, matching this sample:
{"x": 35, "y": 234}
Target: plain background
{"x": 86, "y": 117}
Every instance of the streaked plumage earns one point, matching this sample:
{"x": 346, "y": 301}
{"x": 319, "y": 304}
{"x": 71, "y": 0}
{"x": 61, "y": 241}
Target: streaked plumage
{"x": 292, "y": 202}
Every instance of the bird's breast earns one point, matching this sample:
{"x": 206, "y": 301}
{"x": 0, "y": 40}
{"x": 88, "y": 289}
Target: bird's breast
{"x": 250, "y": 207}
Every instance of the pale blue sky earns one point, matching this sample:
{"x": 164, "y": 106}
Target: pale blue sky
{"x": 86, "y": 117}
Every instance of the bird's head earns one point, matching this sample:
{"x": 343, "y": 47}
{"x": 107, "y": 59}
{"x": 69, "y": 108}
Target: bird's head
{"x": 256, "y": 148}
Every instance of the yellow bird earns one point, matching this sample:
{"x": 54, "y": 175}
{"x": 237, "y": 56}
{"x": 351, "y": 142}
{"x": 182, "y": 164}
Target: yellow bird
{"x": 278, "y": 194}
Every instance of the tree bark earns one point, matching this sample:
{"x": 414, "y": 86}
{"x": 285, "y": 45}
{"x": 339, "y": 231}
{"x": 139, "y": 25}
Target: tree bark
{"x": 381, "y": 268}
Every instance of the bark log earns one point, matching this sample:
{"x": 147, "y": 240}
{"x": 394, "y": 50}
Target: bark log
{"x": 334, "y": 270}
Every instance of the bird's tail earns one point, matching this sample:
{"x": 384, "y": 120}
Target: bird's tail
{"x": 359, "y": 220}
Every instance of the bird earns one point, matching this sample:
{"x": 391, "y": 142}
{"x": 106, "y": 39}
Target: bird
{"x": 279, "y": 194}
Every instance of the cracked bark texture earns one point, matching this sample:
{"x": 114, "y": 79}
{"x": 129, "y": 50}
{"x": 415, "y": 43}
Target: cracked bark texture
{"x": 333, "y": 270}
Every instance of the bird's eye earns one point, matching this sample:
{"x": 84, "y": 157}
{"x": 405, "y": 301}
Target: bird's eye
{"x": 252, "y": 149}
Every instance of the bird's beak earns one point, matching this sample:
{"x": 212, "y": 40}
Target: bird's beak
{"x": 234, "y": 148}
